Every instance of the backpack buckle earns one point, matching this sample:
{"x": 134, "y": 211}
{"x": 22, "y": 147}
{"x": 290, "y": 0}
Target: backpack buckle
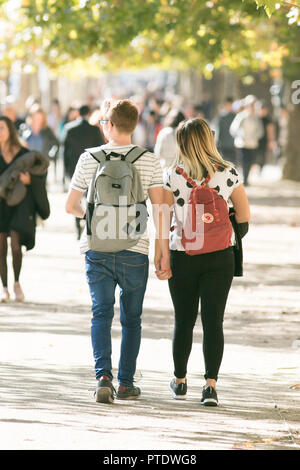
{"x": 115, "y": 154}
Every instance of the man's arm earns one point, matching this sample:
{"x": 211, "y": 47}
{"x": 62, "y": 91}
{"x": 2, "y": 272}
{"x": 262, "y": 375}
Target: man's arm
{"x": 73, "y": 205}
{"x": 156, "y": 196}
{"x": 79, "y": 184}
{"x": 167, "y": 216}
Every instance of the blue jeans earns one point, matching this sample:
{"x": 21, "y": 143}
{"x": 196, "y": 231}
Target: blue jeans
{"x": 104, "y": 271}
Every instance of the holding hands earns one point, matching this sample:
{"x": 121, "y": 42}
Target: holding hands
{"x": 162, "y": 264}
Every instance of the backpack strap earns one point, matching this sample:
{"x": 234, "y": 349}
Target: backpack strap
{"x": 131, "y": 156}
{"x": 97, "y": 154}
{"x": 134, "y": 154}
{"x": 205, "y": 182}
{"x": 190, "y": 180}
{"x": 184, "y": 174}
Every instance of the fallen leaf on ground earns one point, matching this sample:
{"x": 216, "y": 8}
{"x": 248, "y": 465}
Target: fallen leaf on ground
{"x": 243, "y": 445}
{"x": 295, "y": 387}
{"x": 249, "y": 445}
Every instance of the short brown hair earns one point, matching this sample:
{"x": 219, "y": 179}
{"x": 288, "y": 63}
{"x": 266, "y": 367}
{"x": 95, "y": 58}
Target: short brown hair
{"x": 123, "y": 114}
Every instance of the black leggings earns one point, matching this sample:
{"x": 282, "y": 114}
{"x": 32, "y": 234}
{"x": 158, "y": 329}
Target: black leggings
{"x": 16, "y": 250}
{"x": 207, "y": 277}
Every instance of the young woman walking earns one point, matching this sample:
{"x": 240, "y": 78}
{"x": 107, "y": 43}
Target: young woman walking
{"x": 206, "y": 277}
{"x": 18, "y": 221}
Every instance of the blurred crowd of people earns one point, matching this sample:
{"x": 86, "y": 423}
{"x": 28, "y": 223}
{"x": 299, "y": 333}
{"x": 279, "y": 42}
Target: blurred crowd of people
{"x": 245, "y": 131}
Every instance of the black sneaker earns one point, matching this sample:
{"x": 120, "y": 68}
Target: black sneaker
{"x": 178, "y": 390}
{"x": 209, "y": 397}
{"x": 128, "y": 392}
{"x": 105, "y": 391}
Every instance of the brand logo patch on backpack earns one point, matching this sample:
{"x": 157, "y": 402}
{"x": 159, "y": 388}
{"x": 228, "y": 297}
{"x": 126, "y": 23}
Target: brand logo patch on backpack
{"x": 207, "y": 226}
{"x": 116, "y": 209}
{"x": 207, "y": 218}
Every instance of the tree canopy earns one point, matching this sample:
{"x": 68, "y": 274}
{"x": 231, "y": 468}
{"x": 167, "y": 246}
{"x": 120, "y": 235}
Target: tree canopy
{"x": 112, "y": 34}
{"x": 102, "y": 35}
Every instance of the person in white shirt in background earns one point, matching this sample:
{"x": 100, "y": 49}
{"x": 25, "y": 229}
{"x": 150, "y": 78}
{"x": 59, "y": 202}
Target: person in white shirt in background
{"x": 165, "y": 146}
{"x": 247, "y": 129}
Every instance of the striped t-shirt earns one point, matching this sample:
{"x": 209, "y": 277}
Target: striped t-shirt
{"x": 151, "y": 176}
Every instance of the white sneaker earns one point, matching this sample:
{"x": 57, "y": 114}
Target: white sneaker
{"x": 5, "y": 297}
{"x": 18, "y": 292}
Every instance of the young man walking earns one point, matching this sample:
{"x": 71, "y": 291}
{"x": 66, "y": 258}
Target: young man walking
{"x": 128, "y": 267}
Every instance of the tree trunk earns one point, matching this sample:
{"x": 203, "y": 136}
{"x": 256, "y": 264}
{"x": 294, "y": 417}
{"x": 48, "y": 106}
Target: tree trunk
{"x": 291, "y": 169}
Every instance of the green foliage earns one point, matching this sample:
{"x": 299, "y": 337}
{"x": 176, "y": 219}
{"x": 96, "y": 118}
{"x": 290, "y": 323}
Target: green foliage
{"x": 269, "y": 6}
{"x": 114, "y": 34}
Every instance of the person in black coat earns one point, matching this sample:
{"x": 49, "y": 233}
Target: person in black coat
{"x": 18, "y": 222}
{"x": 79, "y": 136}
{"x": 225, "y": 140}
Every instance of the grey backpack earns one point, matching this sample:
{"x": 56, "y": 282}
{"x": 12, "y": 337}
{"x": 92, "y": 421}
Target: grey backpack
{"x": 116, "y": 215}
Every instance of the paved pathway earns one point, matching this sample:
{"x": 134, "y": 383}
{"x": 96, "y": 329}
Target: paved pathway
{"x": 46, "y": 375}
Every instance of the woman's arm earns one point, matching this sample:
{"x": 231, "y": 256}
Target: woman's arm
{"x": 240, "y": 204}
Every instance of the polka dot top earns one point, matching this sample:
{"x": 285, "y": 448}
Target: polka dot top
{"x": 224, "y": 181}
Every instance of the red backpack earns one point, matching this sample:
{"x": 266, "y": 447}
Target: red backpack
{"x": 207, "y": 226}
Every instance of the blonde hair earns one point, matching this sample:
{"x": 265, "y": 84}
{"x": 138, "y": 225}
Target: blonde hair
{"x": 122, "y": 113}
{"x": 197, "y": 149}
